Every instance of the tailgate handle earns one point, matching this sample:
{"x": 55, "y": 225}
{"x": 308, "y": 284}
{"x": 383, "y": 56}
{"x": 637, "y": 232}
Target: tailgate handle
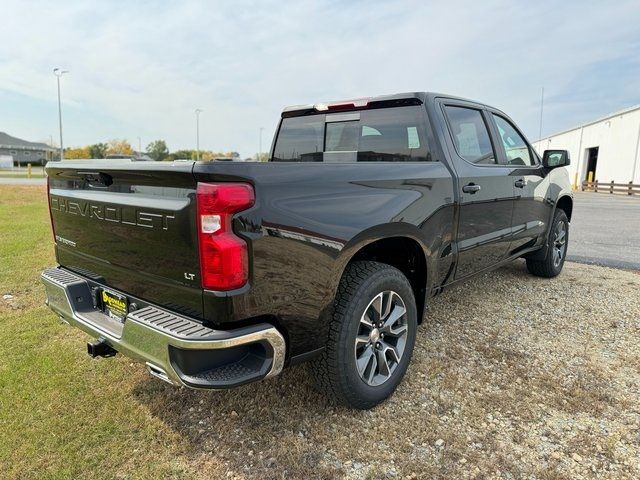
{"x": 97, "y": 179}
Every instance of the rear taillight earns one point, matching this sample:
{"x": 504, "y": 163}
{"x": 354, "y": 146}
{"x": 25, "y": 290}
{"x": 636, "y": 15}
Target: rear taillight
{"x": 53, "y": 228}
{"x": 224, "y": 261}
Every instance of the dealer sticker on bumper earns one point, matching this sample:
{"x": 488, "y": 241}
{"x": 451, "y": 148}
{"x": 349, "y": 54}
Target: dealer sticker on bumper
{"x": 114, "y": 305}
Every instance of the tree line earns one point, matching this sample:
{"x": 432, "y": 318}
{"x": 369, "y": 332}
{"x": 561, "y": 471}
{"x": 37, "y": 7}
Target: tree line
{"x": 156, "y": 150}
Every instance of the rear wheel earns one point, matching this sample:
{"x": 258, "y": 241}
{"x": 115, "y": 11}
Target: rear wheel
{"x": 551, "y": 259}
{"x": 371, "y": 336}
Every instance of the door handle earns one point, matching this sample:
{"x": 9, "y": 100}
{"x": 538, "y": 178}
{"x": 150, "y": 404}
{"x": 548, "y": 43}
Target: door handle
{"x": 471, "y": 188}
{"x": 520, "y": 183}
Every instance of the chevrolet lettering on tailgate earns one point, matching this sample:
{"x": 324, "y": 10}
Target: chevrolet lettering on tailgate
{"x": 115, "y": 214}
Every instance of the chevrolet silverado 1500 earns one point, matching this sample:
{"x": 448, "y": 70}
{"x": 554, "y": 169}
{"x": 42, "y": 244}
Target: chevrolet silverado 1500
{"x": 216, "y": 274}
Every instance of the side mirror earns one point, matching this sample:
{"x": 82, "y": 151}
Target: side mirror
{"x": 555, "y": 158}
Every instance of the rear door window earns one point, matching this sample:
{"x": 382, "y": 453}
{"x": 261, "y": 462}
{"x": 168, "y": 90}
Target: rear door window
{"x": 470, "y": 135}
{"x": 378, "y": 135}
{"x": 393, "y": 135}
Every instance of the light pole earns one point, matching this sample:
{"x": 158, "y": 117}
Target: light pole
{"x": 139, "y": 146}
{"x": 198, "y": 111}
{"x": 541, "y": 110}
{"x": 58, "y": 73}
{"x": 260, "y": 146}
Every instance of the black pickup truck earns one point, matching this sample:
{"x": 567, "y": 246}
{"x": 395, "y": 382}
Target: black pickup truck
{"x": 216, "y": 274}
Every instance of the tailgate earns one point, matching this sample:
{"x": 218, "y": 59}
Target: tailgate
{"x": 130, "y": 226}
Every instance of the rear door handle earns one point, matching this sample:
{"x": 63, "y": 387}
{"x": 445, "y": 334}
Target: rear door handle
{"x": 471, "y": 188}
{"x": 520, "y": 183}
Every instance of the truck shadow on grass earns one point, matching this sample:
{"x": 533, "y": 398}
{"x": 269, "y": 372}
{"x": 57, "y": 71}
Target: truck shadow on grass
{"x": 506, "y": 376}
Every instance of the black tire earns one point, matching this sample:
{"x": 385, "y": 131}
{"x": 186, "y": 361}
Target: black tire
{"x": 336, "y": 369}
{"x": 549, "y": 261}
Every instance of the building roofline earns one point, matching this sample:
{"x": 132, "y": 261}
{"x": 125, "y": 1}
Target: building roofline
{"x": 592, "y": 122}
{"x": 27, "y": 147}
{"x": 20, "y": 144}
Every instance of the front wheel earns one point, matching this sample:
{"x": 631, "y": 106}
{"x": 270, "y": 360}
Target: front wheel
{"x": 551, "y": 259}
{"x": 371, "y": 336}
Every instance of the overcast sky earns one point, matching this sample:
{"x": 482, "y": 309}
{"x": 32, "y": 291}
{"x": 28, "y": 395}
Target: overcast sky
{"x": 139, "y": 69}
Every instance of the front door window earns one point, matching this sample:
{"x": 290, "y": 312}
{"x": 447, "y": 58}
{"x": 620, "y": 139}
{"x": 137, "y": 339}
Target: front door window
{"x": 515, "y": 147}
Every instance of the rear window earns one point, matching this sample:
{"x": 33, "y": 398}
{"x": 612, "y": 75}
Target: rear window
{"x": 470, "y": 135}
{"x": 379, "y": 135}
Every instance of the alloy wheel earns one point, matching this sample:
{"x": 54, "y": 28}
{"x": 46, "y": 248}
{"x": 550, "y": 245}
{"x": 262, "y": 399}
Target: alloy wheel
{"x": 559, "y": 243}
{"x": 381, "y": 338}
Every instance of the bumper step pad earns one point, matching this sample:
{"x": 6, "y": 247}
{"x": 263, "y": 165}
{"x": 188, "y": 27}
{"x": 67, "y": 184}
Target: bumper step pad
{"x": 172, "y": 324}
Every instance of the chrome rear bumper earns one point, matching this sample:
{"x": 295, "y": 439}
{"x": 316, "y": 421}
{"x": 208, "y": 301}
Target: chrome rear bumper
{"x": 175, "y": 348}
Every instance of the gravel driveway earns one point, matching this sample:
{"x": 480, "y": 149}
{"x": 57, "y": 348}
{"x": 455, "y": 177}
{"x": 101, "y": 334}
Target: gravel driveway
{"x": 513, "y": 377}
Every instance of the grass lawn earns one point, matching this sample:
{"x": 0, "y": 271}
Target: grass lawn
{"x": 21, "y": 175}
{"x": 37, "y": 172}
{"x": 61, "y": 414}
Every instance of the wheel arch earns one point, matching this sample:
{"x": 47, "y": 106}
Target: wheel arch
{"x": 565, "y": 203}
{"x": 402, "y": 251}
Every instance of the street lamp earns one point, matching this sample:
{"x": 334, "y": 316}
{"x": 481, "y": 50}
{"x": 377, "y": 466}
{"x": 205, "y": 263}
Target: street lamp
{"x": 541, "y": 111}
{"x": 58, "y": 73}
{"x": 260, "y": 147}
{"x": 198, "y": 111}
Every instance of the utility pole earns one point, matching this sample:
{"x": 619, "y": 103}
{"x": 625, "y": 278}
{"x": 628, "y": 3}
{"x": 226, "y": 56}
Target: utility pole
{"x": 58, "y": 73}
{"x": 541, "y": 110}
{"x": 260, "y": 147}
{"x": 139, "y": 146}
{"x": 198, "y": 111}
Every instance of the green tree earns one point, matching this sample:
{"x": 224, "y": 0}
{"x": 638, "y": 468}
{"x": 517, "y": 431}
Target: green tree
{"x": 158, "y": 150}
{"x": 98, "y": 150}
{"x": 183, "y": 155}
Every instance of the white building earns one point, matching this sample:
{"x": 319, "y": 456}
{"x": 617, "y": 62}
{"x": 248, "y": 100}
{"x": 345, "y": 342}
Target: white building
{"x": 608, "y": 147}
